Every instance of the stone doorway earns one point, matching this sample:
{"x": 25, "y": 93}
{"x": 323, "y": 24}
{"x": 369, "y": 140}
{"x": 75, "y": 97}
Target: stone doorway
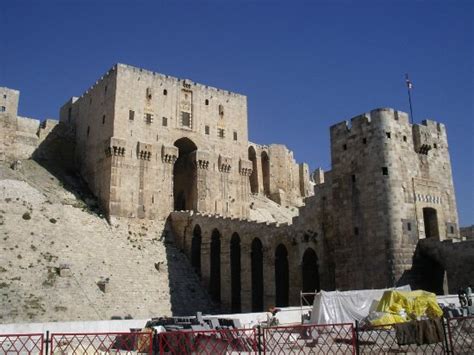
{"x": 282, "y": 278}
{"x": 257, "y": 275}
{"x": 184, "y": 177}
{"x": 430, "y": 219}
{"x": 236, "y": 302}
{"x": 310, "y": 271}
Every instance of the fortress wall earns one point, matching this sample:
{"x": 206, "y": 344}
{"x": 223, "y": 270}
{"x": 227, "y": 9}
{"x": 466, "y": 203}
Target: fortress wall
{"x": 186, "y": 223}
{"x": 382, "y": 182}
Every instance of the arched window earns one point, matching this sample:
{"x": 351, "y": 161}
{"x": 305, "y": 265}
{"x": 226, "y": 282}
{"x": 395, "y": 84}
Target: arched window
{"x": 266, "y": 173}
{"x": 310, "y": 272}
{"x": 254, "y": 176}
{"x": 215, "y": 277}
{"x": 282, "y": 278}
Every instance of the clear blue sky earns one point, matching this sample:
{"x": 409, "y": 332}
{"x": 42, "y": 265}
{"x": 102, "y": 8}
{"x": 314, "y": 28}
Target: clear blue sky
{"x": 303, "y": 65}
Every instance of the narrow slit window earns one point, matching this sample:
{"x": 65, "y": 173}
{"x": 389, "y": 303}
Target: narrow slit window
{"x": 404, "y": 138}
{"x": 165, "y": 92}
{"x": 103, "y": 119}
{"x": 409, "y": 226}
{"x": 389, "y": 135}
{"x": 164, "y": 121}
{"x": 353, "y": 177}
{"x": 384, "y": 170}
{"x": 235, "y": 136}
{"x": 206, "y": 102}
{"x": 206, "y": 129}
{"x": 344, "y": 147}
{"x": 364, "y": 140}
{"x": 131, "y": 115}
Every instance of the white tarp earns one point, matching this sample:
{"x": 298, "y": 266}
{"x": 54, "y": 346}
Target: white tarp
{"x": 346, "y": 306}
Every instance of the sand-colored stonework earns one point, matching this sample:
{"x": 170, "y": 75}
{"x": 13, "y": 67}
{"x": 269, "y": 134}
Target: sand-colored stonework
{"x": 148, "y": 199}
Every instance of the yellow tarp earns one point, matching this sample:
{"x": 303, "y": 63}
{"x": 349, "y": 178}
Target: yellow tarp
{"x": 401, "y": 306}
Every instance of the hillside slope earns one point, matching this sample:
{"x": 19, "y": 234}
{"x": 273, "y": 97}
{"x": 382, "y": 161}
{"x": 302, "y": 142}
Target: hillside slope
{"x": 60, "y": 260}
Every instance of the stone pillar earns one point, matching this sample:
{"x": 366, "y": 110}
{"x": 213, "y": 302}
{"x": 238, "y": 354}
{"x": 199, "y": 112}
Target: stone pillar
{"x": 268, "y": 277}
{"x": 169, "y": 154}
{"x": 295, "y": 275}
{"x": 205, "y": 260}
{"x": 226, "y": 288}
{"x": 246, "y": 276}
{"x": 200, "y": 160}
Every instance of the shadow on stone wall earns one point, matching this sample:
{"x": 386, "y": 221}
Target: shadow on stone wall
{"x": 441, "y": 267}
{"x": 56, "y": 154}
{"x": 187, "y": 295}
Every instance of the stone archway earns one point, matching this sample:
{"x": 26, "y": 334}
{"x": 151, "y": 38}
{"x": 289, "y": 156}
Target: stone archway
{"x": 196, "y": 249}
{"x": 430, "y": 219}
{"x": 256, "y": 257}
{"x": 310, "y": 272}
{"x": 282, "y": 277}
{"x": 184, "y": 176}
{"x": 235, "y": 277}
{"x": 266, "y": 173}
{"x": 254, "y": 176}
{"x": 215, "y": 274}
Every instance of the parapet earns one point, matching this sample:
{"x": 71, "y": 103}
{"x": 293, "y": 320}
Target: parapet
{"x": 188, "y": 83}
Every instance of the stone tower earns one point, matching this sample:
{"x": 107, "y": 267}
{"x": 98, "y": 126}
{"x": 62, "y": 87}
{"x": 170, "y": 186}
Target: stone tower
{"x": 391, "y": 186}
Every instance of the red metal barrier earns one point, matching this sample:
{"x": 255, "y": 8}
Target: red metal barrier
{"x": 209, "y": 342}
{"x": 21, "y": 344}
{"x": 100, "y": 343}
{"x": 383, "y": 340}
{"x": 461, "y": 335}
{"x": 310, "y": 339}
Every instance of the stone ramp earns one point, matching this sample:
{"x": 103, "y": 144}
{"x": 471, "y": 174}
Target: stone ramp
{"x": 59, "y": 260}
{"x": 262, "y": 209}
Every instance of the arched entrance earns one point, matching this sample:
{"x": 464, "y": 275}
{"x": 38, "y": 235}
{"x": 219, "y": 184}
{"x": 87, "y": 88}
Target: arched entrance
{"x": 256, "y": 257}
{"x": 254, "y": 176}
{"x": 430, "y": 219}
{"x": 282, "y": 278}
{"x": 215, "y": 277}
{"x": 184, "y": 177}
{"x": 266, "y": 173}
{"x": 310, "y": 272}
{"x": 196, "y": 249}
{"x": 235, "y": 273}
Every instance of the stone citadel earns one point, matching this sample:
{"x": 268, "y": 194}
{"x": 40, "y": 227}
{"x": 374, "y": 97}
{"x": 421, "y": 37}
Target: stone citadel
{"x": 151, "y": 147}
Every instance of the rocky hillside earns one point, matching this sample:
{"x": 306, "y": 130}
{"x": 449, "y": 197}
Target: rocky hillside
{"x": 61, "y": 260}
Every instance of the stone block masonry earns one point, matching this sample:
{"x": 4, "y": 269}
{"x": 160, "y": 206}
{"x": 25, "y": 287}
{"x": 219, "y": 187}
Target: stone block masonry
{"x": 173, "y": 155}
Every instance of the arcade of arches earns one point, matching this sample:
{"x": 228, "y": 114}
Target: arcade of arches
{"x": 245, "y": 274}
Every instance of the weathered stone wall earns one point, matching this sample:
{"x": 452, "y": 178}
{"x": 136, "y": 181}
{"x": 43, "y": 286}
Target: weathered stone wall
{"x": 149, "y": 144}
{"x": 382, "y": 180}
{"x": 272, "y": 236}
{"x": 19, "y": 136}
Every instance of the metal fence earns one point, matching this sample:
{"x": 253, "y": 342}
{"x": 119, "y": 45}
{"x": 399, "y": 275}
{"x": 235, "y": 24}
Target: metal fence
{"x": 309, "y": 339}
{"x": 102, "y": 343}
{"x": 461, "y": 335}
{"x": 452, "y": 336}
{"x": 400, "y": 339}
{"x": 210, "y": 342}
{"x": 21, "y": 344}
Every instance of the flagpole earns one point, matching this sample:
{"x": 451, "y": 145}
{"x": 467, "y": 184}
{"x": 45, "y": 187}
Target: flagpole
{"x": 409, "y": 87}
